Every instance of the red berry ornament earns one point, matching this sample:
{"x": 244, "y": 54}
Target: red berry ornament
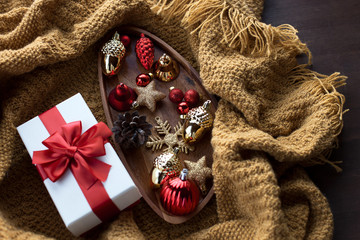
{"x": 176, "y": 95}
{"x": 125, "y": 40}
{"x": 143, "y": 79}
{"x": 145, "y": 51}
{"x": 183, "y": 108}
{"x": 192, "y": 97}
{"x": 180, "y": 196}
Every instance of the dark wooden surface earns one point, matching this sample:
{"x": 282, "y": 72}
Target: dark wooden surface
{"x": 139, "y": 162}
{"x": 331, "y": 28}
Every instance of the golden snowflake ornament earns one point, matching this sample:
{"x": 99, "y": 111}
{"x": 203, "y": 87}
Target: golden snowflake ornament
{"x": 169, "y": 139}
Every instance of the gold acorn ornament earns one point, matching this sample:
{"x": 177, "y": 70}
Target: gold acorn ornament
{"x": 165, "y": 164}
{"x": 113, "y": 53}
{"x": 166, "y": 69}
{"x": 198, "y": 121}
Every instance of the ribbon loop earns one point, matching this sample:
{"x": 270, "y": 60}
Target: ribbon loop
{"x": 69, "y": 148}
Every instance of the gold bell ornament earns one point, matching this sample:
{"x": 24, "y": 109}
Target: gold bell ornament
{"x": 166, "y": 69}
{"x": 113, "y": 53}
{"x": 165, "y": 164}
{"x": 198, "y": 121}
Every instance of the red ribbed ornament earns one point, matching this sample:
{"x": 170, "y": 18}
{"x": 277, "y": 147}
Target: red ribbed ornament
{"x": 180, "y": 196}
{"x": 145, "y": 51}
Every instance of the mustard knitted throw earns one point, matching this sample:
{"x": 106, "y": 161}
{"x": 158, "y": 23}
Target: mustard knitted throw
{"x": 274, "y": 117}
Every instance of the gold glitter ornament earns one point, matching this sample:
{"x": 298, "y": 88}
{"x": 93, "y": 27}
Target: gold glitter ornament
{"x": 113, "y": 53}
{"x": 199, "y": 172}
{"x": 164, "y": 164}
{"x": 198, "y": 121}
{"x": 148, "y": 96}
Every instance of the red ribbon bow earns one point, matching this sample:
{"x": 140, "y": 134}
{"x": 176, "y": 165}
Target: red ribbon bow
{"x": 69, "y": 148}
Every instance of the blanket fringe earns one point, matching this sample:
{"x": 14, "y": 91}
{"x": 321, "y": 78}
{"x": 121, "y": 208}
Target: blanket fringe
{"x": 245, "y": 33}
{"x": 324, "y": 86}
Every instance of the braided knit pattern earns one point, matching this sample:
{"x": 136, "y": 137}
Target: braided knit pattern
{"x": 274, "y": 116}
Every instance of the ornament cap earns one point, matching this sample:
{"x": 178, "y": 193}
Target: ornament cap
{"x": 176, "y": 151}
{"x": 116, "y": 36}
{"x": 183, "y": 175}
{"x": 165, "y": 60}
{"x": 207, "y": 105}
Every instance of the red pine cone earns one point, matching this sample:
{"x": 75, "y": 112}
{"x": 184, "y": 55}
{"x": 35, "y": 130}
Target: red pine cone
{"x": 145, "y": 51}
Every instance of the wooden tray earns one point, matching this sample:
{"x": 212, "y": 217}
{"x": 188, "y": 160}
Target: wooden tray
{"x": 139, "y": 163}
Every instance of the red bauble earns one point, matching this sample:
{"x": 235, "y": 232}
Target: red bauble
{"x": 143, "y": 79}
{"x": 125, "y": 40}
{"x": 122, "y": 97}
{"x": 180, "y": 196}
{"x": 176, "y": 95}
{"x": 183, "y": 108}
{"x": 145, "y": 51}
{"x": 192, "y": 97}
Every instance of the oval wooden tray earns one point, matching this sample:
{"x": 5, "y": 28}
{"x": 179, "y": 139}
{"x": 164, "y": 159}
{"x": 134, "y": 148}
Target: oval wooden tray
{"x": 139, "y": 162}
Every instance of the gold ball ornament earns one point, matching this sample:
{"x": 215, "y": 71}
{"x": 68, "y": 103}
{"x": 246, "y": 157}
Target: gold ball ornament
{"x": 198, "y": 121}
{"x": 113, "y": 52}
{"x": 164, "y": 164}
{"x": 199, "y": 172}
{"x": 166, "y": 69}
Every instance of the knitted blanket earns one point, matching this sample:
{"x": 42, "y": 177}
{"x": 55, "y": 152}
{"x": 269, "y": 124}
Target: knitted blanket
{"x": 274, "y": 117}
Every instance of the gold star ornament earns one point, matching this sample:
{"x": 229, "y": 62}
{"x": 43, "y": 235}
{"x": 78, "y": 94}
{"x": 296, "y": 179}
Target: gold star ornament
{"x": 148, "y": 96}
{"x": 199, "y": 172}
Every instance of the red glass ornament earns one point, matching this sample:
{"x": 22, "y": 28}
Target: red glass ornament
{"x": 180, "y": 196}
{"x": 192, "y": 97}
{"x": 183, "y": 108}
{"x": 122, "y": 97}
{"x": 125, "y": 40}
{"x": 176, "y": 95}
{"x": 144, "y": 79}
{"x": 145, "y": 51}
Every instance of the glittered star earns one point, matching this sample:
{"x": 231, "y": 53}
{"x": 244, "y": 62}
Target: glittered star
{"x": 199, "y": 172}
{"x": 148, "y": 96}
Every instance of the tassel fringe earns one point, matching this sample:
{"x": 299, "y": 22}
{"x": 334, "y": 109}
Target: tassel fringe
{"x": 245, "y": 33}
{"x": 324, "y": 86}
{"x": 251, "y": 36}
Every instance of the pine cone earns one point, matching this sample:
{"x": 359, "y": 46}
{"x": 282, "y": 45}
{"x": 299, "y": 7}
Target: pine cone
{"x": 131, "y": 130}
{"x": 145, "y": 51}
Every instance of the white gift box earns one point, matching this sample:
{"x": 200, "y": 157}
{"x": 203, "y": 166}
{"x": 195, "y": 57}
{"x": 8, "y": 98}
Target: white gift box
{"x": 66, "y": 193}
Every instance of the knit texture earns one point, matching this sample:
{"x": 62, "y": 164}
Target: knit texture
{"x": 274, "y": 116}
